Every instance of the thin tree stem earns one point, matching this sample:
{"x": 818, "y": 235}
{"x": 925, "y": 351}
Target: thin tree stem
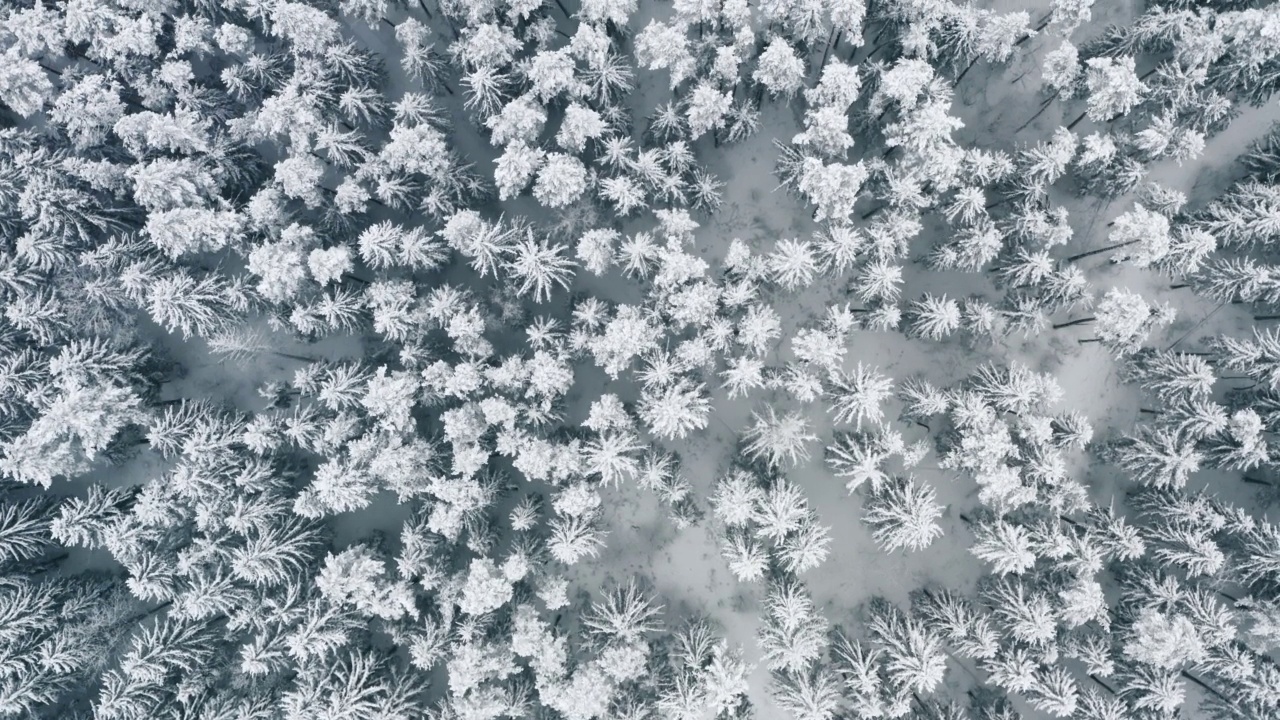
{"x": 1044, "y": 106}
{"x": 1099, "y": 251}
{"x": 1076, "y": 122}
{"x": 883, "y": 26}
{"x": 147, "y": 613}
{"x": 877, "y": 49}
{"x": 832, "y": 38}
{"x": 1098, "y": 680}
{"x": 1206, "y": 687}
{"x": 1069, "y": 323}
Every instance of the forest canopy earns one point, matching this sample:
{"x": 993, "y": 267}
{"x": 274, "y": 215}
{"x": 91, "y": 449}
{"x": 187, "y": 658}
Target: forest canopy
{"x": 639, "y": 360}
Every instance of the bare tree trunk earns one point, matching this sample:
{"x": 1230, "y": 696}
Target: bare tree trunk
{"x": 1098, "y": 680}
{"x": 1207, "y": 688}
{"x": 1044, "y": 106}
{"x": 964, "y": 72}
{"x": 884, "y": 26}
{"x": 1076, "y": 122}
{"x": 137, "y": 617}
{"x": 831, "y": 43}
{"x": 1099, "y": 251}
{"x": 1069, "y": 323}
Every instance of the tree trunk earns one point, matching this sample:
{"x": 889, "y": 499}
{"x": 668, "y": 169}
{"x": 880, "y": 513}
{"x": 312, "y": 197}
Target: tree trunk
{"x": 1076, "y": 122}
{"x": 1098, "y": 680}
{"x": 884, "y": 26}
{"x": 137, "y": 617}
{"x": 1090, "y": 340}
{"x": 1207, "y": 687}
{"x": 877, "y": 49}
{"x": 964, "y": 72}
{"x": 38, "y": 565}
{"x": 831, "y": 42}
{"x": 291, "y": 356}
{"x": 1179, "y": 286}
{"x": 1070, "y": 323}
{"x": 388, "y": 22}
{"x": 1099, "y": 251}
{"x": 1256, "y": 481}
{"x": 1266, "y": 317}
{"x": 423, "y": 5}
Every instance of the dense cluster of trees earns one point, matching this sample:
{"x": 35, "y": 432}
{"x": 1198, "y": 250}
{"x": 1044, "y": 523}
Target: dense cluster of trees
{"x": 449, "y": 188}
